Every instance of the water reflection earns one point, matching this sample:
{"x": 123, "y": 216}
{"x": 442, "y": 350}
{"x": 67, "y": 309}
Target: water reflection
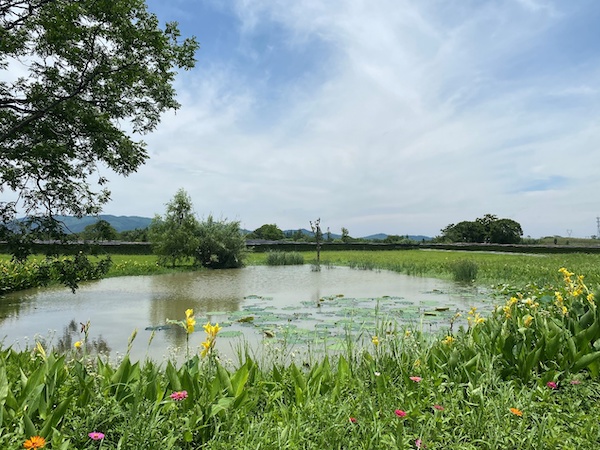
{"x": 118, "y": 306}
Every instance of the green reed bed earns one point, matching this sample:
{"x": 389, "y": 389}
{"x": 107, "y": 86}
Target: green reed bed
{"x": 491, "y": 268}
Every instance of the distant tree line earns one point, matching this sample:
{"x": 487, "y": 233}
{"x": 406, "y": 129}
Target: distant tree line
{"x": 487, "y": 229}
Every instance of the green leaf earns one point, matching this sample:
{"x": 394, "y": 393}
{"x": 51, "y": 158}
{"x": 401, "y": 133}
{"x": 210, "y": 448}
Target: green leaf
{"x": 584, "y": 361}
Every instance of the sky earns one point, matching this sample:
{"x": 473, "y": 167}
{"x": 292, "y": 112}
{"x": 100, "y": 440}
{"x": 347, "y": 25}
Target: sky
{"x": 391, "y": 116}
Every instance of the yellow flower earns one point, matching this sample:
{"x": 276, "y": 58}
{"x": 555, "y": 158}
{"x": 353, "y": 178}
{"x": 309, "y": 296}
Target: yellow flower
{"x": 206, "y": 346}
{"x": 516, "y": 412}
{"x": 527, "y": 320}
{"x": 35, "y": 442}
{"x": 479, "y": 319}
{"x": 190, "y": 321}
{"x": 375, "y": 341}
{"x": 407, "y": 333}
{"x": 211, "y": 330}
{"x": 590, "y": 298}
{"x": 448, "y": 340}
{"x": 40, "y": 349}
{"x": 77, "y": 344}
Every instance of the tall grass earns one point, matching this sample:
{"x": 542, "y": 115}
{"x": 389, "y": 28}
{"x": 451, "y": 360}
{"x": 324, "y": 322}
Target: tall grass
{"x": 492, "y": 268}
{"x": 278, "y": 258}
{"x": 464, "y": 270}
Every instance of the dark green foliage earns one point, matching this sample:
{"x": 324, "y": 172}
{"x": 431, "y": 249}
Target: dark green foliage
{"x": 90, "y": 67}
{"x": 505, "y": 231}
{"x": 175, "y": 238}
{"x": 270, "y": 232}
{"x": 99, "y": 231}
{"x": 221, "y": 244}
{"x": 487, "y": 229}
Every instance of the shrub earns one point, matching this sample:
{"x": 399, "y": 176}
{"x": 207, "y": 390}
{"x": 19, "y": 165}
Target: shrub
{"x": 222, "y": 244}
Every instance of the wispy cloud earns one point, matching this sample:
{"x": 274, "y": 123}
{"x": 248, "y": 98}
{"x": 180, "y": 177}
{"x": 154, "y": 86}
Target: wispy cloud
{"x": 387, "y": 116}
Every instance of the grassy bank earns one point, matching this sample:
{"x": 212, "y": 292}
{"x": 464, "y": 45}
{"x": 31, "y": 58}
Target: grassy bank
{"x": 526, "y": 377}
{"x": 491, "y": 268}
{"x": 506, "y": 381}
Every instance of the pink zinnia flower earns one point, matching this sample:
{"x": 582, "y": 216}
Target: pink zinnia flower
{"x": 419, "y": 444}
{"x": 416, "y": 379}
{"x": 552, "y": 385}
{"x": 438, "y": 407}
{"x": 400, "y": 413}
{"x": 352, "y": 419}
{"x": 96, "y": 435}
{"x": 179, "y": 395}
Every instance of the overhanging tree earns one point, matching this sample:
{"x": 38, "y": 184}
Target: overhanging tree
{"x": 91, "y": 70}
{"x": 78, "y": 75}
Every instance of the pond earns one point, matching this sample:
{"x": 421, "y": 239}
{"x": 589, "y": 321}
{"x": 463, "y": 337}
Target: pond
{"x": 290, "y": 303}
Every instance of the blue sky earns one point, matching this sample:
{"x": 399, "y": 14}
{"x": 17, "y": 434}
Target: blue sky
{"x": 392, "y": 116}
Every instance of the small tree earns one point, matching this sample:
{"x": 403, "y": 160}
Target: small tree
{"x": 100, "y": 231}
{"x": 221, "y": 244}
{"x": 175, "y": 237}
{"x": 345, "y": 235}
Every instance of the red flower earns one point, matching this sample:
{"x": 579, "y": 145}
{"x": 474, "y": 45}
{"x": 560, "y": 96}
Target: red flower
{"x": 552, "y": 385}
{"x": 438, "y": 407}
{"x": 352, "y": 419}
{"x": 400, "y": 413}
{"x": 96, "y": 435}
{"x": 179, "y": 395}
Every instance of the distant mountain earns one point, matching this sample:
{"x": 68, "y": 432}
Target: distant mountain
{"x": 126, "y": 223}
{"x": 372, "y": 237}
{"x": 119, "y": 223}
{"x": 378, "y": 237}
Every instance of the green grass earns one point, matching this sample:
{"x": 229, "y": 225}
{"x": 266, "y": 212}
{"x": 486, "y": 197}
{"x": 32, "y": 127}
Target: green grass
{"x": 468, "y": 379}
{"x": 276, "y": 258}
{"x": 492, "y": 268}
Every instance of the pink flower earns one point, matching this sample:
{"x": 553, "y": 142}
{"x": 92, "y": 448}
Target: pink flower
{"x": 352, "y": 419}
{"x": 575, "y": 382}
{"x": 419, "y": 444}
{"x": 552, "y": 385}
{"x": 438, "y": 407}
{"x": 96, "y": 435}
{"x": 416, "y": 379}
{"x": 179, "y": 395}
{"x": 400, "y": 413}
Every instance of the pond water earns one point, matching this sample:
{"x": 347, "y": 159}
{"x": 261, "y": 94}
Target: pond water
{"x": 291, "y": 303}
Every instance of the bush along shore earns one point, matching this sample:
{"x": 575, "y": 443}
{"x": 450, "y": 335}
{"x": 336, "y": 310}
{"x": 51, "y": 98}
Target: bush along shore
{"x": 524, "y": 377}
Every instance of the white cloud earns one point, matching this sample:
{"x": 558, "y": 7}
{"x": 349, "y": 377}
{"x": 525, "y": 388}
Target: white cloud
{"x": 421, "y": 115}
